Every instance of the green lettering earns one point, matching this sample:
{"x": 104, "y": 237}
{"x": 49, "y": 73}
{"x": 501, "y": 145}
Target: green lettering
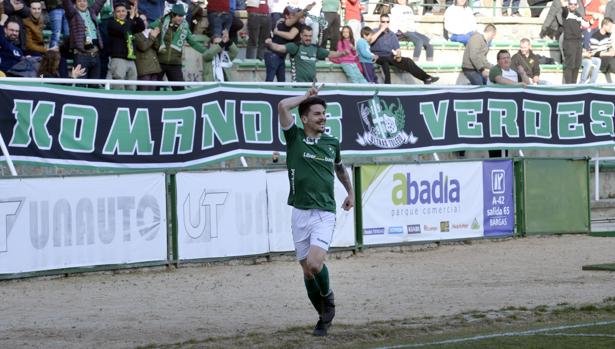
{"x": 601, "y": 114}
{"x": 502, "y": 114}
{"x": 537, "y": 119}
{"x": 218, "y": 123}
{"x": 37, "y": 121}
{"x": 467, "y": 114}
{"x": 129, "y": 137}
{"x": 177, "y": 123}
{"x": 435, "y": 120}
{"x": 78, "y": 128}
{"x": 257, "y": 122}
{"x": 568, "y": 126}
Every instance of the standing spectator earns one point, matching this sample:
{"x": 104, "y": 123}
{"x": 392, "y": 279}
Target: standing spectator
{"x": 121, "y": 44}
{"x": 527, "y": 61}
{"x": 217, "y": 60}
{"x": 219, "y": 16}
{"x": 402, "y": 23}
{"x": 33, "y": 25}
{"x": 84, "y": 37}
{"x": 330, "y": 10}
{"x": 276, "y": 10}
{"x": 459, "y": 22}
{"x": 285, "y": 31}
{"x": 10, "y": 52}
{"x": 366, "y": 57}
{"x": 152, "y": 9}
{"x": 514, "y": 8}
{"x": 174, "y": 33}
{"x": 17, "y": 10}
{"x": 475, "y": 66}
{"x": 303, "y": 56}
{"x": 259, "y": 27}
{"x": 148, "y": 68}
{"x": 572, "y": 42}
{"x": 386, "y": 46}
{"x": 352, "y": 16}
{"x": 57, "y": 21}
{"x": 236, "y": 24}
{"x": 502, "y": 73}
{"x": 593, "y": 16}
{"x": 349, "y": 62}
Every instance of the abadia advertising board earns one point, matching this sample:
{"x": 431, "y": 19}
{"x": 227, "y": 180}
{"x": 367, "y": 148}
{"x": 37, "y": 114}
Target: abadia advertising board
{"x": 431, "y": 202}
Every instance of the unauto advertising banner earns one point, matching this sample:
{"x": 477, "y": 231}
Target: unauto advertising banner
{"x": 181, "y": 129}
{"x": 431, "y": 202}
{"x": 56, "y": 223}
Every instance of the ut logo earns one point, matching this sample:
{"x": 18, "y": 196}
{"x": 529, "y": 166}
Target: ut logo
{"x": 497, "y": 181}
{"x": 7, "y": 208}
{"x": 209, "y": 208}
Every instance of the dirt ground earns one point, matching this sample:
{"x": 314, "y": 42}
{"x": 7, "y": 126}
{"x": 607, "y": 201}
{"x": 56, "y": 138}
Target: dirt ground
{"x": 194, "y": 302}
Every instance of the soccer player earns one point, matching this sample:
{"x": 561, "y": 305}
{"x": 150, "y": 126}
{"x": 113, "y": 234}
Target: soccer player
{"x": 312, "y": 158}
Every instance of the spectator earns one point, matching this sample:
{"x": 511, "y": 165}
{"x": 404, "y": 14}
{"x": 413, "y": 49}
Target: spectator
{"x": 33, "y": 26}
{"x": 385, "y": 45}
{"x": 601, "y": 56}
{"x": 553, "y": 25}
{"x": 330, "y": 11}
{"x": 303, "y": 56}
{"x": 10, "y": 52}
{"x": 121, "y": 44}
{"x": 57, "y": 21}
{"x": 593, "y": 16}
{"x": 572, "y": 42}
{"x": 459, "y": 22}
{"x": 590, "y": 64}
{"x": 236, "y": 24}
{"x": 276, "y": 10}
{"x": 350, "y": 62}
{"x": 402, "y": 23}
{"x": 218, "y": 59}
{"x": 84, "y": 34}
{"x": 50, "y": 64}
{"x": 219, "y": 16}
{"x": 148, "y": 68}
{"x": 259, "y": 27}
{"x": 286, "y": 31}
{"x": 502, "y": 73}
{"x": 514, "y": 8}
{"x": 174, "y": 33}
{"x": 475, "y": 66}
{"x": 17, "y": 10}
{"x": 352, "y": 16}
{"x": 152, "y": 9}
{"x": 366, "y": 57}
{"x": 527, "y": 61}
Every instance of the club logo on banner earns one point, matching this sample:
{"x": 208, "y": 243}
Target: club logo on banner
{"x": 383, "y": 124}
{"x": 436, "y": 201}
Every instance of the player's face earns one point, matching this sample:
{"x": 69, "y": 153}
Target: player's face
{"x": 315, "y": 120}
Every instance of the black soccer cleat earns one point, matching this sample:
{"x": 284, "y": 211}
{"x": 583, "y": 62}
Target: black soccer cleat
{"x": 328, "y": 312}
{"x": 321, "y": 328}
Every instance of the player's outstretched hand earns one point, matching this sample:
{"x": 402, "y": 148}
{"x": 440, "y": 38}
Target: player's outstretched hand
{"x": 348, "y": 203}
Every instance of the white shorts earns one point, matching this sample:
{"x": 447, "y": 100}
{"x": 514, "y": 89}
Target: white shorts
{"x": 311, "y": 228}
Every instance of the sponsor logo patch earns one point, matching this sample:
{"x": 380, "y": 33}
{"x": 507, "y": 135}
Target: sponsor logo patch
{"x": 413, "y": 228}
{"x": 373, "y": 231}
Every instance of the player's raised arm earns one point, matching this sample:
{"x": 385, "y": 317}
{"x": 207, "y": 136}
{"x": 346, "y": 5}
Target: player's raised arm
{"x": 285, "y": 106}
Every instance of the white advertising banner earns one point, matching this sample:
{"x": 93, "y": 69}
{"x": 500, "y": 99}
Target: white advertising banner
{"x": 56, "y": 223}
{"x": 221, "y": 214}
{"x": 422, "y": 202}
{"x": 280, "y": 236}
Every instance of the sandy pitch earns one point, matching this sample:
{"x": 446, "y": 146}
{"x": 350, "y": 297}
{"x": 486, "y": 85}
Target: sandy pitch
{"x": 126, "y": 310}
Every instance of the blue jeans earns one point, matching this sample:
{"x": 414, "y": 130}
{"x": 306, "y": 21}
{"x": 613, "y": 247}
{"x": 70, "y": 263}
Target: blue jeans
{"x": 218, "y": 21}
{"x": 57, "y": 22}
{"x": 593, "y": 65}
{"x": 90, "y": 63}
{"x": 462, "y": 38}
{"x": 515, "y": 5}
{"x": 276, "y": 67}
{"x": 419, "y": 40}
{"x": 475, "y": 77}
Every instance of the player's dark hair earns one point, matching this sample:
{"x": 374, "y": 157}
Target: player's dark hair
{"x": 305, "y": 106}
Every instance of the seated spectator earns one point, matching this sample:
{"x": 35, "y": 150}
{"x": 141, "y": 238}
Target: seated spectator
{"x": 385, "y": 45}
{"x": 285, "y": 31}
{"x": 459, "y": 22}
{"x": 514, "y": 8}
{"x": 402, "y": 23}
{"x": 174, "y": 33}
{"x": 527, "y": 61}
{"x": 590, "y": 67}
{"x": 475, "y": 66}
{"x": 219, "y": 16}
{"x": 57, "y": 21}
{"x": 259, "y": 27}
{"x": 34, "y": 26}
{"x": 121, "y": 44}
{"x": 366, "y": 57}
{"x": 17, "y": 10}
{"x": 303, "y": 56}
{"x": 218, "y": 59}
{"x": 350, "y": 62}
{"x": 601, "y": 54}
{"x": 10, "y": 52}
{"x": 50, "y": 64}
{"x": 148, "y": 68}
{"x": 502, "y": 73}
{"x": 84, "y": 34}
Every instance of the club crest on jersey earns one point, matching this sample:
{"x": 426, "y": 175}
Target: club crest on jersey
{"x": 383, "y": 124}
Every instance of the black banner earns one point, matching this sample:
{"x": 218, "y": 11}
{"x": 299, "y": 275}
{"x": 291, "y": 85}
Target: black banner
{"x": 181, "y": 129}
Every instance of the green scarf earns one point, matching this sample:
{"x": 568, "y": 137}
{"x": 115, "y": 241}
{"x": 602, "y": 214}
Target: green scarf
{"x": 179, "y": 37}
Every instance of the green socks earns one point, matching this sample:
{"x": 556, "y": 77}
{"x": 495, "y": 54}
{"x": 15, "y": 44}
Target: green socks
{"x": 313, "y": 293}
{"x": 322, "y": 279}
